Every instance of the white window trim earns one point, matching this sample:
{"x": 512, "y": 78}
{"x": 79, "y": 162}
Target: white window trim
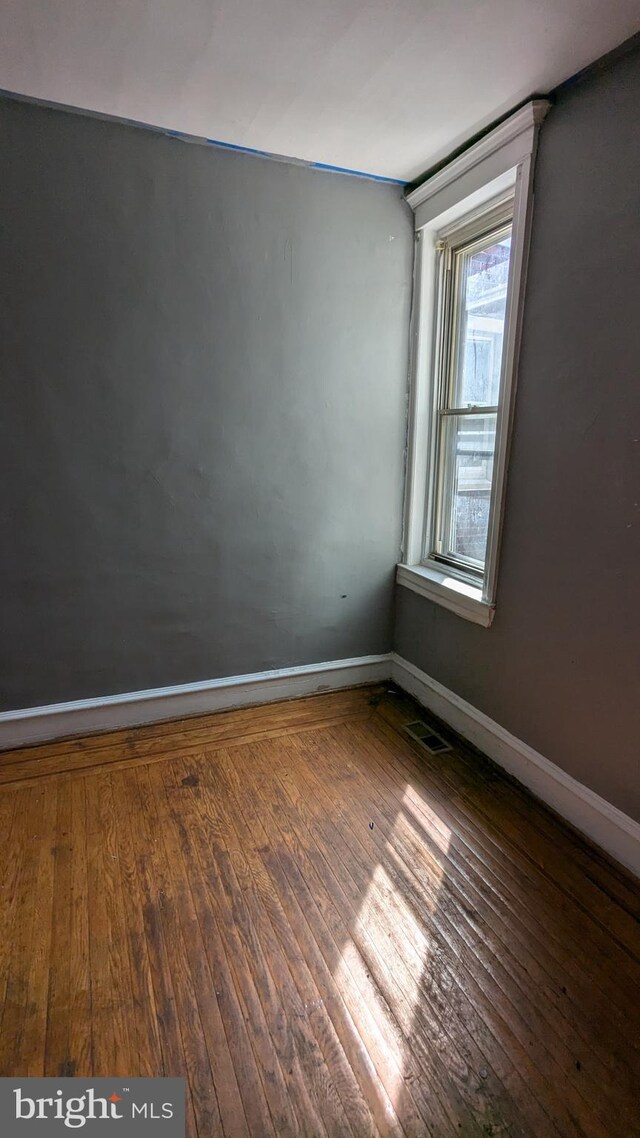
{"x": 499, "y": 165}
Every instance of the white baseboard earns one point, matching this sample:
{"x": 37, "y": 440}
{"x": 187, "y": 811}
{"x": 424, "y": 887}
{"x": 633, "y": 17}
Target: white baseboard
{"x": 618, "y": 834}
{"x": 614, "y": 831}
{"x": 109, "y": 713}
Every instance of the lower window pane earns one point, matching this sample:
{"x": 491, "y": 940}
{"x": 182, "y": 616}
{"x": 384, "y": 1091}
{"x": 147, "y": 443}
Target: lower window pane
{"x": 469, "y": 447}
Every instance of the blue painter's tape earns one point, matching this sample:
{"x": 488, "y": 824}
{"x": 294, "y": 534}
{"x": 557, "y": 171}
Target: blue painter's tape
{"x": 356, "y": 173}
{"x": 182, "y": 137}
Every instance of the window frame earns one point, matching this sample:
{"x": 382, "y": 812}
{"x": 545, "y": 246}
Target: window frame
{"x": 493, "y": 219}
{"x": 490, "y": 178}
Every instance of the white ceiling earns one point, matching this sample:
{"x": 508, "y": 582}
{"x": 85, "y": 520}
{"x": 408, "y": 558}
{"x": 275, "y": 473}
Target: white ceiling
{"x": 384, "y": 86}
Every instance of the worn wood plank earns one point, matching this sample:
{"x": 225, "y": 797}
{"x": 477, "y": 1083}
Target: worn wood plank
{"x": 60, "y": 976}
{"x": 112, "y": 1013}
{"x": 11, "y": 852}
{"x": 79, "y": 1060}
{"x": 23, "y": 1024}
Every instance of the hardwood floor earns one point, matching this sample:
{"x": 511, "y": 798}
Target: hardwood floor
{"x": 326, "y": 929}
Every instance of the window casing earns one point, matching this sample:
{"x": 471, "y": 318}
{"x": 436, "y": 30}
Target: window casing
{"x": 472, "y": 228}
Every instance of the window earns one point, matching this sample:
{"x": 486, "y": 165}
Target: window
{"x": 471, "y": 299}
{"x": 472, "y": 221}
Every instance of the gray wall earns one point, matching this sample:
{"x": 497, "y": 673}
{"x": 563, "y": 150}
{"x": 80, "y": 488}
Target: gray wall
{"x": 203, "y": 360}
{"x": 560, "y": 665}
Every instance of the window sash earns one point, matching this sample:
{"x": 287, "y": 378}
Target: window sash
{"x": 450, "y": 491}
{"x": 453, "y": 247}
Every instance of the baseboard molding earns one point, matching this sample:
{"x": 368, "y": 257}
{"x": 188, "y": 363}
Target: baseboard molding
{"x": 614, "y": 831}
{"x": 609, "y": 827}
{"x": 109, "y": 713}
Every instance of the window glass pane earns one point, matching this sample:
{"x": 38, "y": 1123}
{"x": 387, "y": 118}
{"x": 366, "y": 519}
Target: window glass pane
{"x": 482, "y": 274}
{"x": 469, "y": 446}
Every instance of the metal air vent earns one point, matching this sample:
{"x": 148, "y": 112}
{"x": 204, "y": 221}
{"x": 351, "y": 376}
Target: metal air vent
{"x": 427, "y": 737}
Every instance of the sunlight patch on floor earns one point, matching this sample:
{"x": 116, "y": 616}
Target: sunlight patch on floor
{"x": 389, "y": 948}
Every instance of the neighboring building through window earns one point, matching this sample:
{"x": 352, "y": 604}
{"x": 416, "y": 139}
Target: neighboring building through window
{"x": 471, "y": 300}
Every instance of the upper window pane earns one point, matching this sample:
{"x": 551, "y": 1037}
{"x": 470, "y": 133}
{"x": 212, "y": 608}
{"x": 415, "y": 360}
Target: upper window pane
{"x": 482, "y": 274}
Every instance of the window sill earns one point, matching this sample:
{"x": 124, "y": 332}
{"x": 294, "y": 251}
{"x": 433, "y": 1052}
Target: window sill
{"x": 445, "y": 589}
